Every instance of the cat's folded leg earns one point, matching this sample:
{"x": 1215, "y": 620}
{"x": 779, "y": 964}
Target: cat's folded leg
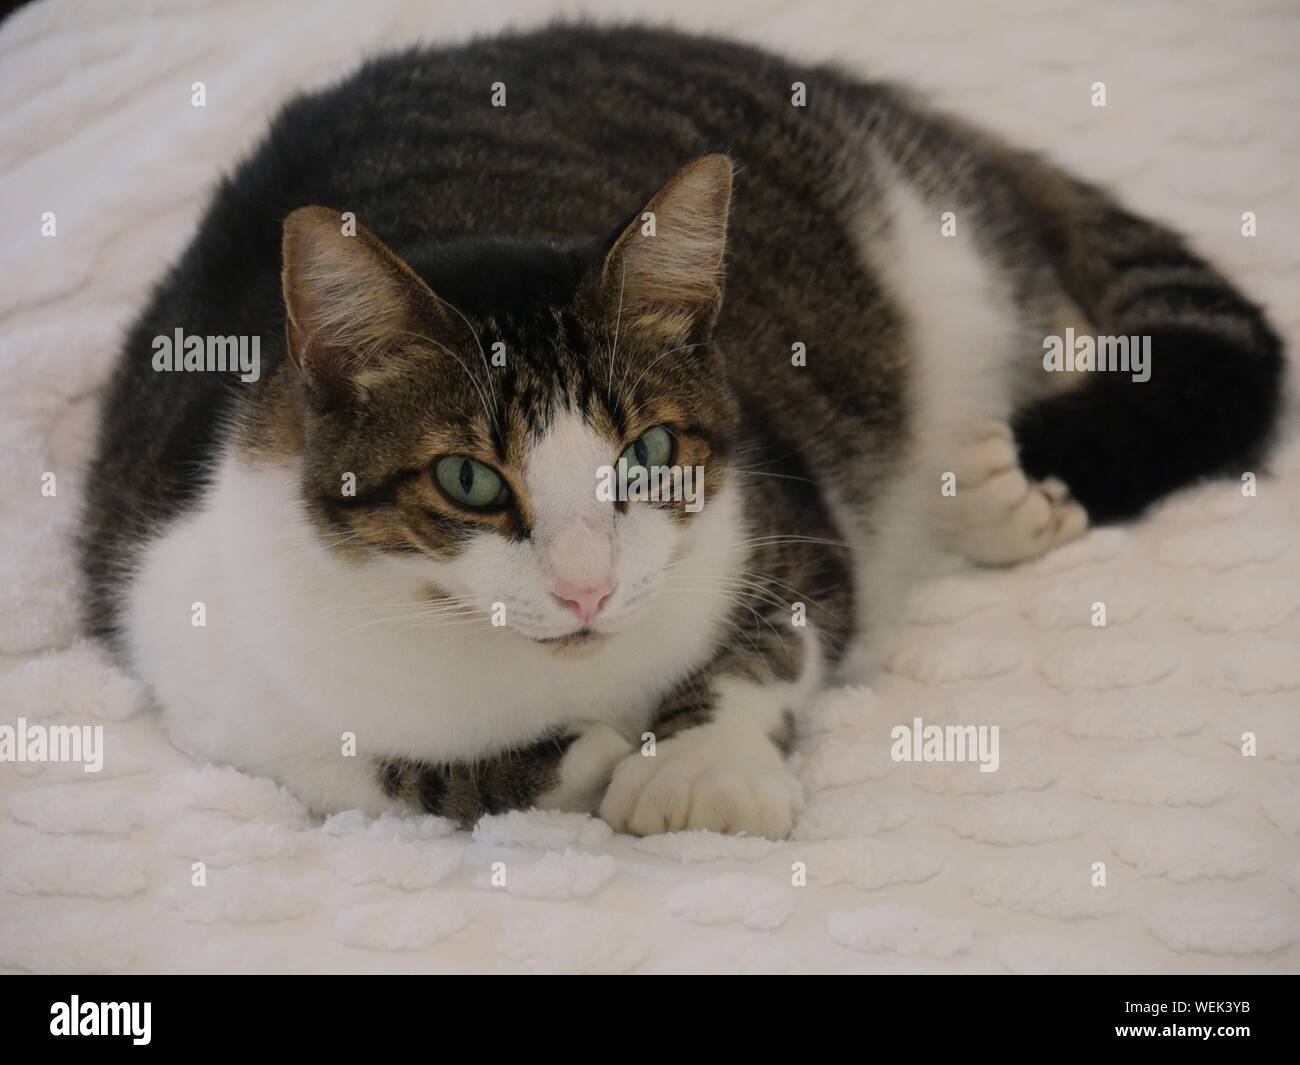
{"x": 565, "y": 770}
{"x": 720, "y": 740}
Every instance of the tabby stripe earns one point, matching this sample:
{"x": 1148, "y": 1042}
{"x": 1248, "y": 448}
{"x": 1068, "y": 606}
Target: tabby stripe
{"x": 384, "y": 492}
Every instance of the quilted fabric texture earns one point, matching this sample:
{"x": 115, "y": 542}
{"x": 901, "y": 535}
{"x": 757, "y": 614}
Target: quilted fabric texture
{"x": 1120, "y": 745}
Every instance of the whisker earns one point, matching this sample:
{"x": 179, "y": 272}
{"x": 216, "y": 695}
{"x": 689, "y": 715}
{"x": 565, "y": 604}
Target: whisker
{"x": 487, "y": 366}
{"x": 618, "y": 324}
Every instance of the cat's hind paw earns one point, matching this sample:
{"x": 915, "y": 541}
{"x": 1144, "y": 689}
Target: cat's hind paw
{"x": 999, "y": 515}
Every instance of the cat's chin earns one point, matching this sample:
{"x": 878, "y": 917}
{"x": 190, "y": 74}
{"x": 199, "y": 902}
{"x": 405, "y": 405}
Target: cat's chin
{"x": 580, "y": 644}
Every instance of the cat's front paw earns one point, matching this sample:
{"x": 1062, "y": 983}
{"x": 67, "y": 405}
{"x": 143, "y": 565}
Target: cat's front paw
{"x": 585, "y": 769}
{"x": 693, "y": 783}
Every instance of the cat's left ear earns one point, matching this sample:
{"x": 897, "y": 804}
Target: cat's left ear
{"x": 665, "y": 270}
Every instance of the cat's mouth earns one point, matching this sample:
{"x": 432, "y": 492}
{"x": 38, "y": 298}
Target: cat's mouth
{"x": 574, "y": 643}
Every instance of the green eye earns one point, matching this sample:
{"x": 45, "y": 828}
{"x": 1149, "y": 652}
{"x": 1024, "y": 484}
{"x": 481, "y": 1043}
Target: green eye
{"x": 654, "y": 447}
{"x": 470, "y": 483}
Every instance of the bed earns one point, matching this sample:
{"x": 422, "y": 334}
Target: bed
{"x": 1146, "y": 812}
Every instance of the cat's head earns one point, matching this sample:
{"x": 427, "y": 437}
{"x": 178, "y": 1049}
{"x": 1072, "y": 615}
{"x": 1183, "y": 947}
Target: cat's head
{"x": 465, "y": 412}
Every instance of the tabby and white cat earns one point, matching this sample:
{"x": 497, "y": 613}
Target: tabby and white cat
{"x": 517, "y": 308}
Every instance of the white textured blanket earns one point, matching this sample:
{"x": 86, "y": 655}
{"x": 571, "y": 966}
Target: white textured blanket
{"x": 1120, "y": 745}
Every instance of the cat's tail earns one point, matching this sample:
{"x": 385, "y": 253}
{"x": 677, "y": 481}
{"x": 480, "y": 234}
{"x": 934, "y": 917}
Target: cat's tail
{"x": 1212, "y": 401}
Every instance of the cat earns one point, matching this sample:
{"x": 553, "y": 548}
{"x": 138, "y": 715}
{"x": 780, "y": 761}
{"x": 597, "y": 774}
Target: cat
{"x": 381, "y": 572}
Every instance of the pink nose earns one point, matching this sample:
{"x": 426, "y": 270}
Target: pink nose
{"x": 585, "y": 602}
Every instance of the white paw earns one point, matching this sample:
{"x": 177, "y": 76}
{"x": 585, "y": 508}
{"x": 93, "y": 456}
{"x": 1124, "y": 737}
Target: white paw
{"x": 585, "y": 769}
{"x": 695, "y": 782}
{"x": 1000, "y": 516}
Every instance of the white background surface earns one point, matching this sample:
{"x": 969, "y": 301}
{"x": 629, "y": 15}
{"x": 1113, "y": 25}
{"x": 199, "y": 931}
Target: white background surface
{"x": 1119, "y": 745}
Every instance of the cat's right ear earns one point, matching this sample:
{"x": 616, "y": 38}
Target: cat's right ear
{"x": 350, "y": 302}
{"x": 665, "y": 271}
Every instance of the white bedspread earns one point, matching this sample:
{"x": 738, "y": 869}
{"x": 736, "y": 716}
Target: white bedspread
{"x": 1120, "y": 745}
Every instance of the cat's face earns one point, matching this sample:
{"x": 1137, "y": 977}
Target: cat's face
{"x": 476, "y": 446}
